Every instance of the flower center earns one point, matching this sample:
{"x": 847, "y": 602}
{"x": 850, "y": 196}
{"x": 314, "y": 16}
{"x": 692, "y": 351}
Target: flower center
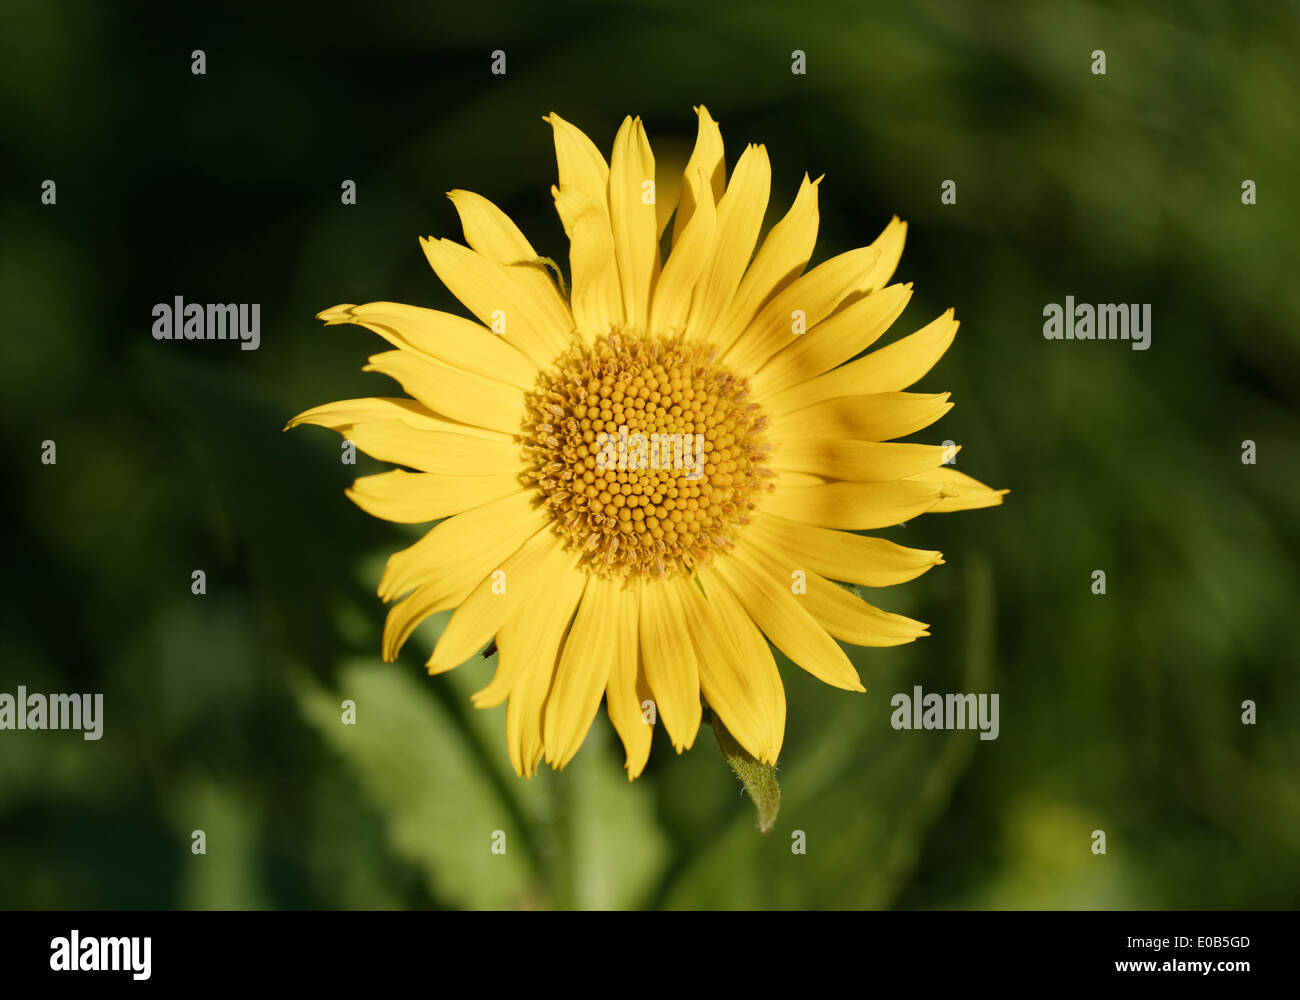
{"x": 646, "y": 451}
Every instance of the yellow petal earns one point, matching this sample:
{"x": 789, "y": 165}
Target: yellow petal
{"x": 833, "y": 341}
{"x": 359, "y": 411}
{"x": 581, "y": 165}
{"x": 851, "y": 619}
{"x": 783, "y": 478}
{"x": 740, "y": 215}
{"x": 461, "y": 395}
{"x": 582, "y": 201}
{"x": 626, "y": 690}
{"x": 632, "y": 219}
{"x": 858, "y": 461}
{"x": 532, "y": 636}
{"x": 706, "y": 159}
{"x": 447, "y": 454}
{"x": 687, "y": 264}
{"x": 450, "y": 561}
{"x": 891, "y": 368}
{"x": 854, "y": 506}
{"x": 503, "y": 299}
{"x": 453, "y": 340}
{"x": 669, "y": 659}
{"x": 738, "y": 674}
{"x": 596, "y": 296}
{"x": 491, "y": 233}
{"x": 879, "y": 417}
{"x": 497, "y": 599}
{"x": 768, "y": 600}
{"x": 961, "y": 492}
{"x": 530, "y": 652}
{"x": 814, "y": 296}
{"x": 670, "y": 161}
{"x": 839, "y": 555}
{"x": 890, "y": 244}
{"x": 415, "y": 497}
{"x": 779, "y": 261}
{"x": 405, "y": 616}
{"x": 841, "y": 613}
{"x": 584, "y": 670}
{"x": 500, "y": 526}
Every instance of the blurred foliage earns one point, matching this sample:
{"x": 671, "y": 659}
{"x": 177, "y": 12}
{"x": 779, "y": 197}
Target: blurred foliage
{"x": 1119, "y": 712}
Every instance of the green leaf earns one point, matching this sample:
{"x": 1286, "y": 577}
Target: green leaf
{"x": 758, "y": 778}
{"x": 443, "y": 807}
{"x": 617, "y": 849}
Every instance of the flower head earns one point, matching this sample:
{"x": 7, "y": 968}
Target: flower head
{"x": 642, "y": 481}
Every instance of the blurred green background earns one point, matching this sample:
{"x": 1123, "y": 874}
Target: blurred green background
{"x": 1118, "y": 712}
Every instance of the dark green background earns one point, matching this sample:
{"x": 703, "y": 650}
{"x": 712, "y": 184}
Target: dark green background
{"x": 1118, "y": 712}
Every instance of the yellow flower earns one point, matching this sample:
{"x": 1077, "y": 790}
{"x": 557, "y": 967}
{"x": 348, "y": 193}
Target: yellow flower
{"x": 643, "y": 481}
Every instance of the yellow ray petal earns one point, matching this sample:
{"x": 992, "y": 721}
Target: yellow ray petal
{"x": 791, "y": 627}
{"x": 779, "y": 261}
{"x": 503, "y": 299}
{"x": 405, "y": 616}
{"x": 814, "y": 296}
{"x": 632, "y": 219}
{"x": 490, "y": 232}
{"x": 596, "y": 296}
{"x": 853, "y": 506}
{"x": 890, "y": 244}
{"x": 497, "y": 599}
{"x": 878, "y": 417}
{"x": 961, "y": 491}
{"x": 453, "y": 340}
{"x": 524, "y": 716}
{"x": 409, "y": 411}
{"x": 580, "y": 164}
{"x": 858, "y": 461}
{"x": 738, "y": 674}
{"x": 834, "y": 340}
{"x": 669, "y": 659}
{"x": 839, "y": 555}
{"x": 538, "y": 651}
{"x": 532, "y": 637}
{"x": 582, "y": 201}
{"x": 891, "y": 368}
{"x": 626, "y": 689}
{"x": 449, "y": 562}
{"x": 415, "y": 497}
{"x": 841, "y": 613}
{"x": 707, "y": 159}
{"x": 583, "y": 672}
{"x": 783, "y": 478}
{"x": 447, "y": 454}
{"x": 851, "y": 619}
{"x": 455, "y": 393}
{"x": 739, "y": 217}
{"x": 687, "y": 264}
{"x": 500, "y": 526}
